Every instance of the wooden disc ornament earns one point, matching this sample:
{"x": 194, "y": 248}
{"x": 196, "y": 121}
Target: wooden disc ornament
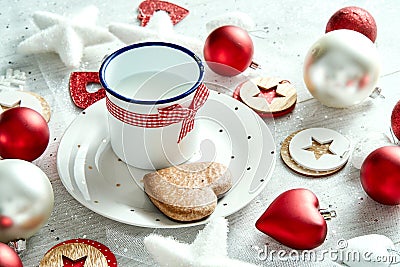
{"x": 12, "y": 99}
{"x": 267, "y": 96}
{"x": 318, "y": 149}
{"x": 79, "y": 253}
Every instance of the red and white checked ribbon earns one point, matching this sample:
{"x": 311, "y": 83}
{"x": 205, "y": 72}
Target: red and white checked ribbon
{"x": 166, "y": 116}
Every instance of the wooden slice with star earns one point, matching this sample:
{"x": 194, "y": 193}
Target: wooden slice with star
{"x": 294, "y": 166}
{"x": 79, "y": 253}
{"x": 268, "y": 96}
{"x": 13, "y": 99}
{"x": 320, "y": 149}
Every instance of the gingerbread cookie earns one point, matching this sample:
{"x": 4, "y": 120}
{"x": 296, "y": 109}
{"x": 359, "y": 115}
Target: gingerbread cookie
{"x": 188, "y": 192}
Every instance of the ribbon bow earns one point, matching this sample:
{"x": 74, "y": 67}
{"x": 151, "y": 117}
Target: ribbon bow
{"x": 165, "y": 116}
{"x": 177, "y": 113}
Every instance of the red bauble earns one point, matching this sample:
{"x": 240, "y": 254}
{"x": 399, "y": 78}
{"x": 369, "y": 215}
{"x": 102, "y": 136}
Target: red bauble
{"x": 24, "y": 134}
{"x": 294, "y": 220}
{"x": 395, "y": 120}
{"x": 228, "y": 50}
{"x": 353, "y": 18}
{"x": 380, "y": 175}
{"x": 8, "y": 257}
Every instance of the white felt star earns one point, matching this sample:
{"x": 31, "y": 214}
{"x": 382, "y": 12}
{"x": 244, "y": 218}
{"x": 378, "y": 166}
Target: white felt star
{"x": 236, "y": 18}
{"x": 209, "y": 249}
{"x": 159, "y": 28}
{"x": 66, "y": 37}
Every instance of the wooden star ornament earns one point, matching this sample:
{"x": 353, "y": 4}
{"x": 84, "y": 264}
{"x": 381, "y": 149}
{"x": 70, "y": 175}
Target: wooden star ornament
{"x": 65, "y": 36}
{"x": 79, "y": 253}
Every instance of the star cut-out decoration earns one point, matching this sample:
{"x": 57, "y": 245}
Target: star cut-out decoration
{"x": 208, "y": 249}
{"x": 268, "y": 89}
{"x": 10, "y": 105}
{"x": 67, "y": 262}
{"x": 66, "y": 37}
{"x": 159, "y": 28}
{"x": 319, "y": 148}
{"x": 270, "y": 94}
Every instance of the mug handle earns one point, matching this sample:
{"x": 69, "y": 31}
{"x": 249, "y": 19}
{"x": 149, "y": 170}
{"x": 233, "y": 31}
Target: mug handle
{"x": 78, "y": 82}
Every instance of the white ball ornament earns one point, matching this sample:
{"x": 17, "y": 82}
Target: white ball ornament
{"x": 341, "y": 69}
{"x": 369, "y": 251}
{"x": 26, "y": 199}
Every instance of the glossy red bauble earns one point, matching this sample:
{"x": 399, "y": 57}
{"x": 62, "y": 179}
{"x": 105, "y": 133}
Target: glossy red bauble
{"x": 24, "y": 134}
{"x": 294, "y": 220}
{"x": 228, "y": 50}
{"x": 8, "y": 257}
{"x": 353, "y": 18}
{"x": 380, "y": 175}
{"x": 395, "y": 120}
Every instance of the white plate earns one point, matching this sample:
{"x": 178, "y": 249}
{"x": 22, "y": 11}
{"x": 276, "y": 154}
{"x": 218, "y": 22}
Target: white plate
{"x": 232, "y": 134}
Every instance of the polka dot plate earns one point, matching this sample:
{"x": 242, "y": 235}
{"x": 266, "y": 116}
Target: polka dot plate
{"x": 231, "y": 134}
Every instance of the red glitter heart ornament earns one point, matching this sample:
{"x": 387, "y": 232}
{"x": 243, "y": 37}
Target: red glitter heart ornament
{"x": 294, "y": 220}
{"x": 148, "y": 7}
{"x": 77, "y": 88}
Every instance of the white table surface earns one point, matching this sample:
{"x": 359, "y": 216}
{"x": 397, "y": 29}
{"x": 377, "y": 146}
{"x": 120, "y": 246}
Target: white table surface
{"x": 290, "y": 27}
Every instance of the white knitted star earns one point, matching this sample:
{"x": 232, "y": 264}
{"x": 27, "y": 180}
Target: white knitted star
{"x": 159, "y": 28}
{"x": 66, "y": 37}
{"x": 208, "y": 249}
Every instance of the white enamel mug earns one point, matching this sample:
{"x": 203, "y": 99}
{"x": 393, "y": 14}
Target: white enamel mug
{"x": 140, "y": 81}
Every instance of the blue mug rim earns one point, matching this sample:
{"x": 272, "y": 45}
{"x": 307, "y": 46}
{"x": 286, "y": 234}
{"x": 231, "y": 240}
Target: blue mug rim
{"x": 108, "y": 59}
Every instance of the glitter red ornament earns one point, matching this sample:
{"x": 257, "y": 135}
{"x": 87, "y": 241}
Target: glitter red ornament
{"x": 353, "y": 18}
{"x": 24, "y": 134}
{"x": 294, "y": 219}
{"x": 8, "y": 257}
{"x": 78, "y": 81}
{"x": 228, "y": 50}
{"x": 148, "y": 7}
{"x": 395, "y": 120}
{"x": 380, "y": 175}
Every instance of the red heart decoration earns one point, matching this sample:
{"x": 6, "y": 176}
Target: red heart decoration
{"x": 294, "y": 220}
{"x": 148, "y": 7}
{"x": 77, "y": 88}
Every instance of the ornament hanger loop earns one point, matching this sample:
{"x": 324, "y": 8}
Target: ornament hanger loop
{"x": 254, "y": 65}
{"x": 377, "y": 92}
{"x": 262, "y": 34}
{"x": 394, "y": 139}
{"x": 328, "y": 214}
{"x": 18, "y": 245}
